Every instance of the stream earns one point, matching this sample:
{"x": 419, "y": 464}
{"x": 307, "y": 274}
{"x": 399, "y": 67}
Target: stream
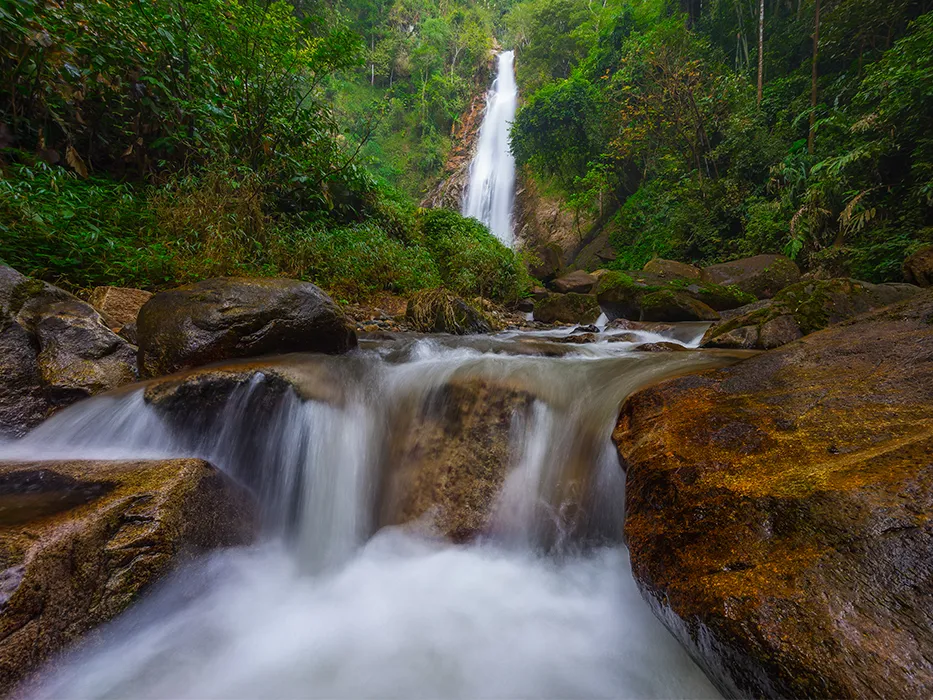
{"x": 327, "y": 604}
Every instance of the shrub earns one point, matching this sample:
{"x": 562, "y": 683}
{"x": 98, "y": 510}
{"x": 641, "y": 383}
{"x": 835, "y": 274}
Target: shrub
{"x": 470, "y": 260}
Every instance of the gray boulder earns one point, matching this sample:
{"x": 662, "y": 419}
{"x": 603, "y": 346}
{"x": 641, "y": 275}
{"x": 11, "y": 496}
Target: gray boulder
{"x": 233, "y": 317}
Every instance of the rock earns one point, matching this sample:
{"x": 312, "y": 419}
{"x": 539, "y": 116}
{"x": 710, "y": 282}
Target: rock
{"x": 577, "y": 281}
{"x": 439, "y": 311}
{"x": 801, "y": 309}
{"x": 918, "y": 268}
{"x": 659, "y": 347}
{"x": 79, "y": 356}
{"x": 585, "y": 329}
{"x": 778, "y": 511}
{"x": 225, "y": 318}
{"x": 547, "y": 262}
{"x": 762, "y": 276}
{"x": 538, "y": 293}
{"x": 119, "y": 305}
{"x": 23, "y": 403}
{"x": 672, "y": 269}
{"x": 54, "y": 350}
{"x": 578, "y": 338}
{"x": 672, "y": 306}
{"x": 567, "y": 308}
{"x": 624, "y": 338}
{"x": 525, "y": 306}
{"x": 79, "y": 541}
{"x": 626, "y": 295}
{"x": 449, "y": 456}
{"x": 128, "y": 333}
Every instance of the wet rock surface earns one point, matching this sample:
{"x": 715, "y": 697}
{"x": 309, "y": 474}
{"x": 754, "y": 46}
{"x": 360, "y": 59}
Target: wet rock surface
{"x": 762, "y": 276}
{"x": 54, "y": 350}
{"x": 79, "y": 541}
{"x": 801, "y": 309}
{"x": 778, "y": 511}
{"x": 449, "y": 456}
{"x": 226, "y": 318}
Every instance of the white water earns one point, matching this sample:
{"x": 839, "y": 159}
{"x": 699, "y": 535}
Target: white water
{"x": 491, "y": 189}
{"x": 326, "y": 606}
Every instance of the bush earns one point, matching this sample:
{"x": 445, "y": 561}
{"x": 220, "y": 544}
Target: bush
{"x": 471, "y": 261}
{"x": 80, "y": 233}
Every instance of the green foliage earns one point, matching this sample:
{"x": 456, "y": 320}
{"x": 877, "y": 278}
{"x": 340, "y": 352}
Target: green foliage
{"x": 471, "y": 261}
{"x": 56, "y": 226}
{"x": 675, "y": 140}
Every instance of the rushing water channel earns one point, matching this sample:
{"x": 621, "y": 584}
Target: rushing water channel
{"x": 491, "y": 188}
{"x": 328, "y": 605}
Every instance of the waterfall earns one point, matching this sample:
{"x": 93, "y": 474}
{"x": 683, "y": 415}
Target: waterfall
{"x": 326, "y": 604}
{"x": 491, "y": 190}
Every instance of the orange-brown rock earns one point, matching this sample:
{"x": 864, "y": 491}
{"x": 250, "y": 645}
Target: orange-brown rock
{"x": 79, "y": 541}
{"x": 918, "y": 268}
{"x": 449, "y": 452}
{"x": 119, "y": 305}
{"x": 672, "y": 269}
{"x": 779, "y": 511}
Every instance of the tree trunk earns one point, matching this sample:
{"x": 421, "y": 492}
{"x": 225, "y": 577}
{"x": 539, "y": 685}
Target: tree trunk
{"x": 761, "y": 49}
{"x": 814, "y": 75}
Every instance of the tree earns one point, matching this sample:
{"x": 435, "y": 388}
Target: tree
{"x": 761, "y": 48}
{"x": 814, "y": 75}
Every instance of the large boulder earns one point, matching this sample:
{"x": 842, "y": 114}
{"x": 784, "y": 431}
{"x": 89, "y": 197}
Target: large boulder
{"x": 578, "y": 281}
{"x": 762, "y": 276}
{"x": 230, "y": 317}
{"x": 801, "y": 309}
{"x": 567, "y": 308}
{"x": 439, "y": 311}
{"x": 671, "y": 269}
{"x": 119, "y": 305}
{"x": 670, "y": 306}
{"x": 447, "y": 457}
{"x": 646, "y": 296}
{"x": 54, "y": 350}
{"x": 79, "y": 541}
{"x": 778, "y": 512}
{"x": 918, "y": 268}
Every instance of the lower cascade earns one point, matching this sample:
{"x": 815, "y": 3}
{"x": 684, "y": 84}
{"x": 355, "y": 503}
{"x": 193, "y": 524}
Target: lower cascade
{"x": 513, "y": 587}
{"x": 491, "y": 188}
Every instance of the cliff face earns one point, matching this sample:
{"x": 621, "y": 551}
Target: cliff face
{"x": 451, "y": 188}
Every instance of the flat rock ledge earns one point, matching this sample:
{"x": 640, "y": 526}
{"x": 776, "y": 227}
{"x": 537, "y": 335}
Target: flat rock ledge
{"x": 80, "y": 540}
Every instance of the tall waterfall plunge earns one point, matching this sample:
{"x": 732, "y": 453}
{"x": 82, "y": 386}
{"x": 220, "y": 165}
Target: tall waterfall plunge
{"x": 491, "y": 190}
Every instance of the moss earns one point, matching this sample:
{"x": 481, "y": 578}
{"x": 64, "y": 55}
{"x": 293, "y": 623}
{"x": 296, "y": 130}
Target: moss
{"x": 613, "y": 280}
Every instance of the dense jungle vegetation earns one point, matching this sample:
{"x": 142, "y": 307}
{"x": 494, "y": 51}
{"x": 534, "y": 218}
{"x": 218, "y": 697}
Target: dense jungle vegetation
{"x": 154, "y": 142}
{"x": 725, "y": 128}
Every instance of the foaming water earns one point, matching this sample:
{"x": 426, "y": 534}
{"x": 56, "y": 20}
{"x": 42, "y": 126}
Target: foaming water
{"x": 542, "y": 605}
{"x": 491, "y": 189}
{"x": 405, "y": 618}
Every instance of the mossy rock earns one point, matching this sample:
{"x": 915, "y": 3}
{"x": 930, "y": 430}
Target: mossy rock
{"x": 801, "y": 309}
{"x": 567, "y": 308}
{"x": 439, "y": 311}
{"x": 640, "y": 295}
{"x": 762, "y": 276}
{"x": 669, "y": 305}
{"x": 672, "y": 269}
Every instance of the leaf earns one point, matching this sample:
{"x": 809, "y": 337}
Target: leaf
{"x": 74, "y": 160}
